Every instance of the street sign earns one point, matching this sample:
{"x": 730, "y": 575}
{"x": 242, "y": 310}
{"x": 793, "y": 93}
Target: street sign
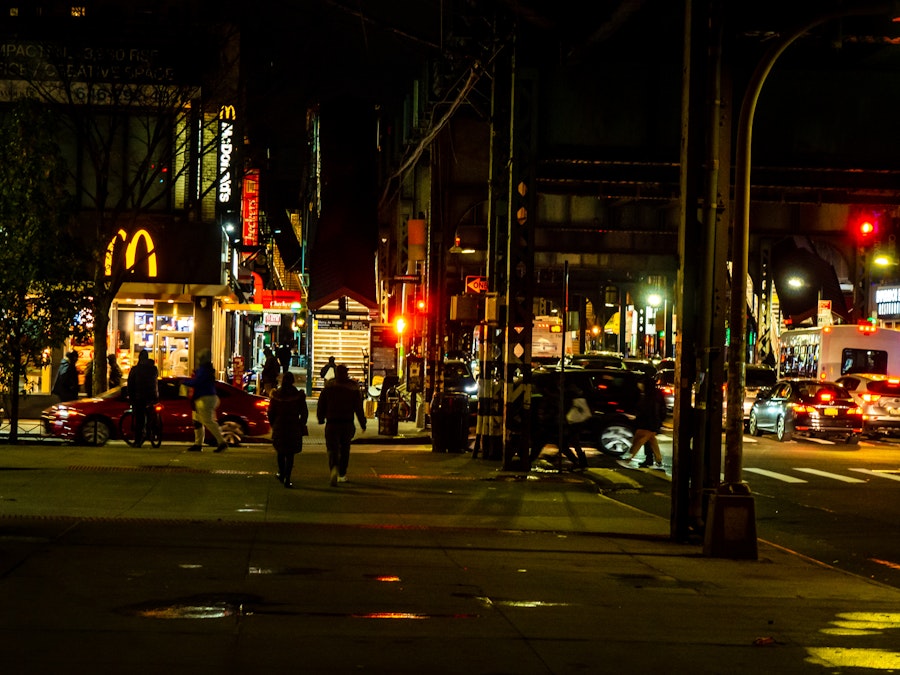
{"x": 476, "y": 285}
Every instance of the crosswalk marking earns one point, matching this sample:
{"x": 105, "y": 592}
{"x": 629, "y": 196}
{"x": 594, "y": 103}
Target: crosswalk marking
{"x": 777, "y": 476}
{"x": 835, "y": 476}
{"x": 890, "y": 474}
{"x": 879, "y": 474}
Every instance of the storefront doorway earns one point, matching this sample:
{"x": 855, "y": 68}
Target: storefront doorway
{"x": 174, "y": 353}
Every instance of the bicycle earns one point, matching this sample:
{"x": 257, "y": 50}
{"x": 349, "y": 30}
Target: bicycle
{"x": 152, "y": 426}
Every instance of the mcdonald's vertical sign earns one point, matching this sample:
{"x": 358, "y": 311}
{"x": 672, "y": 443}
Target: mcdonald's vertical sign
{"x": 227, "y": 161}
{"x": 250, "y": 208}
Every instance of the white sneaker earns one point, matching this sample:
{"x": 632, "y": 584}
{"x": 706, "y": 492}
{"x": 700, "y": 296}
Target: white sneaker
{"x": 627, "y": 463}
{"x": 658, "y": 467}
{"x": 342, "y": 479}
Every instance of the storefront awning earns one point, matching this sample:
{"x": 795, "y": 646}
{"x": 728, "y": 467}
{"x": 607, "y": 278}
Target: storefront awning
{"x": 178, "y": 292}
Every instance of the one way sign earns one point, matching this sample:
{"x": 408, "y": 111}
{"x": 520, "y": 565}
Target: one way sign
{"x": 476, "y": 285}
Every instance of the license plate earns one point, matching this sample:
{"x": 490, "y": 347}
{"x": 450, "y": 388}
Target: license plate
{"x": 831, "y": 412}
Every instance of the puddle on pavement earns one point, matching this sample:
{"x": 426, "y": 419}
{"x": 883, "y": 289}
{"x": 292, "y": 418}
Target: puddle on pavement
{"x": 223, "y": 606}
{"x": 194, "y": 607}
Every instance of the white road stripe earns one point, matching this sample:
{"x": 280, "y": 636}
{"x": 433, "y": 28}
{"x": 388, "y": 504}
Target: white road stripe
{"x": 835, "y": 476}
{"x": 777, "y": 476}
{"x": 880, "y": 474}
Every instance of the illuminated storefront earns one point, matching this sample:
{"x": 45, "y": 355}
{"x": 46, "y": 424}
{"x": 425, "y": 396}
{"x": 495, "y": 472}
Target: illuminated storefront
{"x": 172, "y": 303}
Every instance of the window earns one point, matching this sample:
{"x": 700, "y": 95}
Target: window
{"x": 863, "y": 361}
{"x": 79, "y": 10}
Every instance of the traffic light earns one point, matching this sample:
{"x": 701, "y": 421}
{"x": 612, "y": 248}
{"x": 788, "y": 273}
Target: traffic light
{"x": 400, "y": 325}
{"x": 865, "y": 226}
{"x": 421, "y": 306}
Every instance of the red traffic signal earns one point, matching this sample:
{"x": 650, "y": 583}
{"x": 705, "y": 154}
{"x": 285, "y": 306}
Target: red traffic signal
{"x": 421, "y": 306}
{"x": 865, "y": 226}
{"x": 866, "y": 229}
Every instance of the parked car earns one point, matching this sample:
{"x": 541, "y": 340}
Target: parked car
{"x": 612, "y": 396}
{"x": 807, "y": 407}
{"x": 94, "y": 421}
{"x": 665, "y": 380}
{"x": 879, "y": 398}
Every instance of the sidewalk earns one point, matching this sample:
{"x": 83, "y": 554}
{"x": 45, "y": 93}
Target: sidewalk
{"x": 610, "y": 591}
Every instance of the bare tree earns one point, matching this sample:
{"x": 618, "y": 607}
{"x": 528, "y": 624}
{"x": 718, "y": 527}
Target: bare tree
{"x": 43, "y": 291}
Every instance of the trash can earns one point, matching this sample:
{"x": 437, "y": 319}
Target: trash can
{"x": 387, "y": 421}
{"x": 449, "y": 422}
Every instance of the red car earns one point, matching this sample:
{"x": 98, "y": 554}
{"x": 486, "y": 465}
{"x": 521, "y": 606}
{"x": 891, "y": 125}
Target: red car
{"x": 94, "y": 421}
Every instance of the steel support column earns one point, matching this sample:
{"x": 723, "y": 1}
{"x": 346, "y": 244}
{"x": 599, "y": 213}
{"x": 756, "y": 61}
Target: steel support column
{"x": 519, "y": 317}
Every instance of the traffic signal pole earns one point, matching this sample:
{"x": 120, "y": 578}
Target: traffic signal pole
{"x": 731, "y": 530}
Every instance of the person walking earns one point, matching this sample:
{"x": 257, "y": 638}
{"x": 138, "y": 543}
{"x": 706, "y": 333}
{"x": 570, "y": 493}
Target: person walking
{"x": 647, "y": 424}
{"x": 205, "y": 400}
{"x": 143, "y": 391}
{"x": 550, "y": 425}
{"x": 339, "y": 401}
{"x": 284, "y": 357}
{"x": 66, "y": 384}
{"x": 288, "y": 415}
{"x": 328, "y": 370}
{"x": 270, "y": 371}
{"x": 114, "y": 373}
{"x": 578, "y": 413}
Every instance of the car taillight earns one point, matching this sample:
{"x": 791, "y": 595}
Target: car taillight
{"x": 262, "y": 403}
{"x": 854, "y": 411}
{"x": 871, "y": 398}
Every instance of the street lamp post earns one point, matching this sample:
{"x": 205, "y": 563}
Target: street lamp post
{"x": 731, "y": 530}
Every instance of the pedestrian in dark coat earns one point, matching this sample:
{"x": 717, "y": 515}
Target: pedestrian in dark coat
{"x": 114, "y": 372}
{"x": 143, "y": 390}
{"x": 270, "y": 371}
{"x": 288, "y": 415}
{"x": 647, "y": 423}
{"x": 284, "y": 357}
{"x": 339, "y": 402}
{"x": 66, "y": 385}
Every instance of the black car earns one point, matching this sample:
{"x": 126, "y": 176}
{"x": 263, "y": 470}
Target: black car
{"x": 612, "y": 395}
{"x": 806, "y": 407}
{"x": 596, "y": 360}
{"x": 665, "y": 380}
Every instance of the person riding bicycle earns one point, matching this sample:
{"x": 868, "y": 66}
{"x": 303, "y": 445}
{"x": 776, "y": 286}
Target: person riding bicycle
{"x": 143, "y": 391}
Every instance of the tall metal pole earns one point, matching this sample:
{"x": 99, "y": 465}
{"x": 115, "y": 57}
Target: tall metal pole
{"x": 733, "y": 503}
